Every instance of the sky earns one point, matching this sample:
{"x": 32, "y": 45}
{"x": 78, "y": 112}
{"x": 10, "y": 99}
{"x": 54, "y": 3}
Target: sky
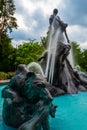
{"x": 33, "y": 19}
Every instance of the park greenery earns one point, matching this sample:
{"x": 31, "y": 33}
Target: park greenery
{"x": 28, "y": 51}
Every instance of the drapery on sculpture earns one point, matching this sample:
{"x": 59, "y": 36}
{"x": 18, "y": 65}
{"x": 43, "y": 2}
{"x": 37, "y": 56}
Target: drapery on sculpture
{"x": 27, "y": 102}
{"x": 55, "y": 60}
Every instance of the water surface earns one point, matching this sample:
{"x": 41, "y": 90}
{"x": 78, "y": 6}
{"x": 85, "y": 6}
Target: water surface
{"x": 71, "y": 113}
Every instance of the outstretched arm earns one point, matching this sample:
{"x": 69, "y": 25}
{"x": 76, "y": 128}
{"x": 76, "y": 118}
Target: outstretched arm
{"x": 66, "y": 36}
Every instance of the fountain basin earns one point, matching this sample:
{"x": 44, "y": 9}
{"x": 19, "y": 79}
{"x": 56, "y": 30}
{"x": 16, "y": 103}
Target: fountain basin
{"x": 71, "y": 112}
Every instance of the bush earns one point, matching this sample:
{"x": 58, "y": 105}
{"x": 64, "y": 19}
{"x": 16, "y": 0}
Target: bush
{"x": 4, "y": 76}
{"x": 10, "y": 74}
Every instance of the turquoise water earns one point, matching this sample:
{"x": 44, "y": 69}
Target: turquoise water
{"x": 71, "y": 113}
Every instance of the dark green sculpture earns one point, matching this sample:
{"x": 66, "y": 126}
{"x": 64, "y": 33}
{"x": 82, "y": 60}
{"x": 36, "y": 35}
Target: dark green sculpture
{"x": 27, "y": 102}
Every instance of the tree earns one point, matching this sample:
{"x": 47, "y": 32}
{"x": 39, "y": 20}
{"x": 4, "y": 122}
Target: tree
{"x": 28, "y": 52}
{"x": 44, "y": 41}
{"x": 77, "y": 53}
{"x": 80, "y": 56}
{"x": 84, "y": 62}
{"x": 7, "y": 23}
{"x": 7, "y": 54}
{"x": 7, "y": 20}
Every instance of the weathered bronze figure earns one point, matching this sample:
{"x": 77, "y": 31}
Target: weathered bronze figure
{"x": 27, "y": 102}
{"x": 55, "y": 60}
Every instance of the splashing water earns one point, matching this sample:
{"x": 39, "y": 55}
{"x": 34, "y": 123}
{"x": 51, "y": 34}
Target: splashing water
{"x": 51, "y": 55}
{"x": 56, "y": 36}
{"x": 35, "y": 67}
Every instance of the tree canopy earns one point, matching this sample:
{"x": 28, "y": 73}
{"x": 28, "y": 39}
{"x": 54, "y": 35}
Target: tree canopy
{"x": 7, "y": 19}
{"x": 80, "y": 56}
{"x": 7, "y": 54}
{"x": 28, "y": 52}
{"x": 7, "y": 23}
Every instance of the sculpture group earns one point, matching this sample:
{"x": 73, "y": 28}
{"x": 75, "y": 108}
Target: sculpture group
{"x": 28, "y": 97}
{"x": 56, "y": 63}
{"x": 27, "y": 102}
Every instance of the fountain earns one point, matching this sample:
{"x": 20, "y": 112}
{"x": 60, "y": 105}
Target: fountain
{"x": 28, "y": 96}
{"x": 58, "y": 66}
{"x": 35, "y": 67}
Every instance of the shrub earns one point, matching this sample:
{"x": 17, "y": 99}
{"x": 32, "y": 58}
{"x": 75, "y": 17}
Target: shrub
{"x": 4, "y": 76}
{"x": 10, "y": 74}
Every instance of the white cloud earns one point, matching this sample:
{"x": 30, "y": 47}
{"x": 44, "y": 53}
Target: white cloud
{"x": 83, "y": 45}
{"x": 20, "y": 22}
{"x": 33, "y": 15}
{"x": 26, "y": 11}
{"x": 77, "y": 33}
{"x": 46, "y": 5}
{"x": 28, "y": 5}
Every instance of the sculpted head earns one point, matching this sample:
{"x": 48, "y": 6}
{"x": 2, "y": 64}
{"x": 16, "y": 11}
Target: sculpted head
{"x": 55, "y": 11}
{"x": 22, "y": 69}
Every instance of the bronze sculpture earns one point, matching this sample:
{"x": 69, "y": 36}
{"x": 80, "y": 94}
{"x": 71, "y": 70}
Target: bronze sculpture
{"x": 55, "y": 60}
{"x": 27, "y": 102}
{"x": 28, "y": 96}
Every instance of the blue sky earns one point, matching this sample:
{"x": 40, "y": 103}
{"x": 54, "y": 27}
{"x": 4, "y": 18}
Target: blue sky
{"x": 33, "y": 19}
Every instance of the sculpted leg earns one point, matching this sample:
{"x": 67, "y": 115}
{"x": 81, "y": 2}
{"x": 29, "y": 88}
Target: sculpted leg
{"x": 35, "y": 122}
{"x": 45, "y": 123}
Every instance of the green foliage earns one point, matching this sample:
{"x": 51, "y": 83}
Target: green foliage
{"x": 4, "y": 75}
{"x": 10, "y": 57}
{"x": 7, "y": 20}
{"x": 77, "y": 53}
{"x": 10, "y": 74}
{"x": 80, "y": 56}
{"x": 44, "y": 41}
{"x": 84, "y": 61}
{"x": 7, "y": 54}
{"x": 28, "y": 52}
